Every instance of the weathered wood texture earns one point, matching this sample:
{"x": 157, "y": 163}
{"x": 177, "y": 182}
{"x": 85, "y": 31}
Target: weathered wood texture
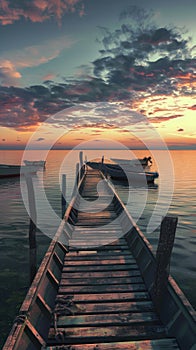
{"x": 32, "y": 228}
{"x": 163, "y": 256}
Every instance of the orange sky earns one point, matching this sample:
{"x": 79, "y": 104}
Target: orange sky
{"x": 172, "y": 118}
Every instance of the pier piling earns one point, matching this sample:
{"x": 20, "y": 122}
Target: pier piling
{"x": 63, "y": 194}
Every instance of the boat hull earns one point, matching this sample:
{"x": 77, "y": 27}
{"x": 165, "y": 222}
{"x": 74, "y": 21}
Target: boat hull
{"x": 38, "y": 163}
{"x": 124, "y": 174}
{"x": 7, "y": 171}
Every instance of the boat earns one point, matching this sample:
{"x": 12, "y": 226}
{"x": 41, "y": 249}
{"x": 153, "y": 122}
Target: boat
{"x": 11, "y": 170}
{"x": 38, "y": 163}
{"x": 125, "y": 172}
{"x": 128, "y": 174}
{"x": 145, "y": 162}
{"x": 55, "y": 316}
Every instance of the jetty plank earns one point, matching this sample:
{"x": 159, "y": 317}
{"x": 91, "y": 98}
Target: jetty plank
{"x": 160, "y": 344}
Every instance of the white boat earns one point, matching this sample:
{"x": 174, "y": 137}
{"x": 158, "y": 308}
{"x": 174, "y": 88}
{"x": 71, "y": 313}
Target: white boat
{"x": 145, "y": 162}
{"x": 124, "y": 174}
{"x": 38, "y": 163}
{"x": 10, "y": 170}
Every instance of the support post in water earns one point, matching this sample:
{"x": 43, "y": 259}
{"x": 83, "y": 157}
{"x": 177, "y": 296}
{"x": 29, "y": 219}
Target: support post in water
{"x": 77, "y": 174}
{"x": 163, "y": 256}
{"x": 63, "y": 193}
{"x": 76, "y": 180}
{"x": 81, "y": 164}
{"x": 32, "y": 227}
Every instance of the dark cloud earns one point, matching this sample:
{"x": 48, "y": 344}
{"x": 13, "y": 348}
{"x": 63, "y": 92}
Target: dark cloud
{"x": 128, "y": 58}
{"x": 180, "y": 129}
{"x": 164, "y": 119}
{"x": 40, "y": 139}
{"x": 193, "y": 107}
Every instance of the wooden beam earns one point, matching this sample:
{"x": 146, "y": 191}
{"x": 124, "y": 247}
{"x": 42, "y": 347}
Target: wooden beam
{"x": 32, "y": 227}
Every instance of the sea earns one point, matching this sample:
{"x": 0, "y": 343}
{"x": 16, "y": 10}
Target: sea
{"x": 174, "y": 194}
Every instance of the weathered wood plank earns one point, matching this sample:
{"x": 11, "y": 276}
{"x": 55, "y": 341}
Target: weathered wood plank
{"x": 99, "y": 253}
{"x": 95, "y": 308}
{"x": 106, "y": 297}
{"x": 111, "y": 333}
{"x": 102, "y": 274}
{"x": 102, "y": 288}
{"x": 114, "y": 319}
{"x": 103, "y": 247}
{"x": 97, "y": 281}
{"x": 99, "y": 268}
{"x": 160, "y": 344}
{"x": 120, "y": 261}
{"x": 99, "y": 257}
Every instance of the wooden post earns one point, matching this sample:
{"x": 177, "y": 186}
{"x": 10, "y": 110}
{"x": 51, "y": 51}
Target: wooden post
{"x": 77, "y": 174}
{"x": 32, "y": 228}
{"x": 63, "y": 199}
{"x": 163, "y": 255}
{"x": 76, "y": 180}
{"x": 81, "y": 164}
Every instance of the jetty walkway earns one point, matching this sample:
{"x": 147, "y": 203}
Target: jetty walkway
{"x": 93, "y": 290}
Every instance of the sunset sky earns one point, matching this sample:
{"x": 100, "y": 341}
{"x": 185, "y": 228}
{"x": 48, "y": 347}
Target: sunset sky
{"x": 123, "y": 70}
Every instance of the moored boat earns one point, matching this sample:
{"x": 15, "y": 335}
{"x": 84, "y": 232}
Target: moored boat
{"x": 11, "y": 170}
{"x": 124, "y": 172}
{"x": 38, "y": 163}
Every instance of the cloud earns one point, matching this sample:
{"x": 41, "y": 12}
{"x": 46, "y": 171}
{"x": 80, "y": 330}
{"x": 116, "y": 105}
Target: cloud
{"x": 49, "y": 76}
{"x": 164, "y": 119}
{"x": 37, "y": 10}
{"x": 40, "y": 139}
{"x": 36, "y": 55}
{"x": 8, "y": 73}
{"x": 193, "y": 107}
{"x": 143, "y": 58}
{"x": 14, "y": 61}
{"x": 180, "y": 130}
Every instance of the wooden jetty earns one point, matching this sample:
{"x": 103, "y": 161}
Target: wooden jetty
{"x": 95, "y": 288}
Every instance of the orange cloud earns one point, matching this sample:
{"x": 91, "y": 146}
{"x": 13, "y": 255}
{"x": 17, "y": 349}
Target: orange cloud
{"x": 8, "y": 73}
{"x": 49, "y": 76}
{"x": 30, "y": 56}
{"x": 37, "y": 10}
{"x": 193, "y": 108}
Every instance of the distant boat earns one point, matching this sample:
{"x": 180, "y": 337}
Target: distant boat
{"x": 10, "y": 170}
{"x": 38, "y": 163}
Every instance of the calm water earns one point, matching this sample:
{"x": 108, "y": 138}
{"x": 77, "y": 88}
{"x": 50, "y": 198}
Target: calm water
{"x": 14, "y": 219}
